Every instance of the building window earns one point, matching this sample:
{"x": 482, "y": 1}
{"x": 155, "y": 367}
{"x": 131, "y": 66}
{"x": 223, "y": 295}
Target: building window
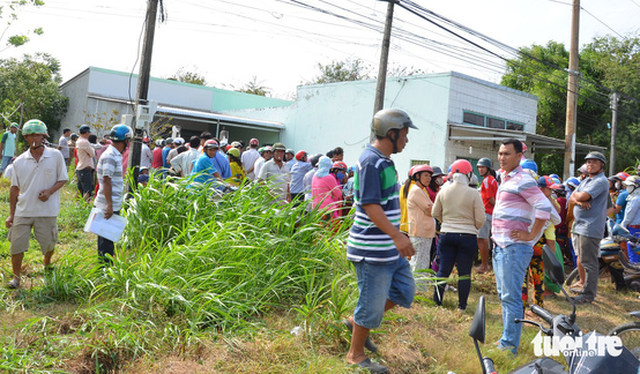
{"x": 420, "y": 162}
{"x": 473, "y": 119}
{"x": 495, "y": 123}
{"x": 482, "y": 120}
{"x": 515, "y": 126}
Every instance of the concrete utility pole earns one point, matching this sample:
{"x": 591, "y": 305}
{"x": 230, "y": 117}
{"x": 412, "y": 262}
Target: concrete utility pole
{"x": 143, "y": 86}
{"x": 572, "y": 95}
{"x": 384, "y": 58}
{"x": 614, "y": 132}
{"x": 382, "y": 70}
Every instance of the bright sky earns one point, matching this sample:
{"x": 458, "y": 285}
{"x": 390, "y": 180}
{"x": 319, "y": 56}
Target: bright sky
{"x": 231, "y": 41}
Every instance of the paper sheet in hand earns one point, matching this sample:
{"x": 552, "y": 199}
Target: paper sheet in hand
{"x": 111, "y": 228}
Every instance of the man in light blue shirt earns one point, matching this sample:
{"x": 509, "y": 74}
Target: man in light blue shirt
{"x": 590, "y": 212}
{"x": 221, "y": 163}
{"x": 8, "y": 146}
{"x": 298, "y": 170}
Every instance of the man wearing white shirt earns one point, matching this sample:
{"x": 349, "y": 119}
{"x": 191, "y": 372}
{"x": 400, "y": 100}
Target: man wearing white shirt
{"x": 249, "y": 158}
{"x": 34, "y": 199}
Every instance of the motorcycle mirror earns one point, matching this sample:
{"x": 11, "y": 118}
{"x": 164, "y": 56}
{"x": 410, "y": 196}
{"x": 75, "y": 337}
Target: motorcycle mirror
{"x": 618, "y": 230}
{"x": 476, "y": 330}
{"x": 552, "y": 266}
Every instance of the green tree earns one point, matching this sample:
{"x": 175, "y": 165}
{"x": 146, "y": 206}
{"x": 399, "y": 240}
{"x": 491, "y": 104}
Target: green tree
{"x": 397, "y": 70}
{"x": 255, "y": 87}
{"x": 540, "y": 71}
{"x": 31, "y": 87}
{"x": 616, "y": 63}
{"x": 342, "y": 71}
{"x": 9, "y": 14}
{"x": 182, "y": 75}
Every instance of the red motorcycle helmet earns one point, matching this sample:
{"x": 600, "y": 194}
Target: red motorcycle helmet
{"x": 461, "y": 166}
{"x": 339, "y": 165}
{"x": 300, "y": 155}
{"x": 416, "y": 170}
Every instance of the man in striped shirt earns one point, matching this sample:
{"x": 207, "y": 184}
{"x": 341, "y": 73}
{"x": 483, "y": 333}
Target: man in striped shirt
{"x": 376, "y": 246}
{"x": 519, "y": 215}
{"x": 109, "y": 197}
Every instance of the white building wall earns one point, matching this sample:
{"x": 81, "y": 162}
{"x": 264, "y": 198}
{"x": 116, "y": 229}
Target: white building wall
{"x": 77, "y": 93}
{"x": 120, "y": 85}
{"x": 487, "y": 98}
{"x": 339, "y": 114}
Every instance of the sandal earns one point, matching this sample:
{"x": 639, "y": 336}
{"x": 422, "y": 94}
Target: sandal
{"x": 576, "y": 289}
{"x": 582, "y": 300}
{"x": 372, "y": 367}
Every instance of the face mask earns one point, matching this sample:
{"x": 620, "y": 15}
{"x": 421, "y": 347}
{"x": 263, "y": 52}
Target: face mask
{"x": 340, "y": 175}
{"x": 439, "y": 181}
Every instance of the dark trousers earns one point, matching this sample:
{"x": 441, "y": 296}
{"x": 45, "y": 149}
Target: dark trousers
{"x": 297, "y": 198}
{"x": 459, "y": 250}
{"x": 106, "y": 247}
{"x": 85, "y": 181}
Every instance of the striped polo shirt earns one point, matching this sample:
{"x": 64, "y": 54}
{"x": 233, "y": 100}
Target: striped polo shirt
{"x": 110, "y": 165}
{"x": 519, "y": 203}
{"x": 375, "y": 182}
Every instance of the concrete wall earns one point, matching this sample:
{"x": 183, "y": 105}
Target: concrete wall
{"x": 487, "y": 98}
{"x": 77, "y": 94}
{"x": 339, "y": 114}
{"x": 475, "y": 95}
{"x": 86, "y": 90}
{"x": 331, "y": 115}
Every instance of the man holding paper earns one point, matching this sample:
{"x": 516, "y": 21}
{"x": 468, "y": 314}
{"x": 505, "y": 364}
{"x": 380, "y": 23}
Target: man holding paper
{"x": 34, "y": 200}
{"x": 109, "y": 197}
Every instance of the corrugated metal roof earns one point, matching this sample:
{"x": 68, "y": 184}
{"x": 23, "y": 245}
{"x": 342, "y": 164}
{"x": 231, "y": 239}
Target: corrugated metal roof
{"x": 195, "y": 114}
{"x": 491, "y": 134}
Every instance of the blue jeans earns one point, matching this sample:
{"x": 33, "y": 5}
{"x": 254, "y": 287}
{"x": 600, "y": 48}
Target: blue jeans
{"x": 6, "y": 160}
{"x": 510, "y": 265}
{"x": 379, "y": 282}
{"x": 459, "y": 250}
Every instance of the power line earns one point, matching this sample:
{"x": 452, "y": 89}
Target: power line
{"x": 602, "y": 22}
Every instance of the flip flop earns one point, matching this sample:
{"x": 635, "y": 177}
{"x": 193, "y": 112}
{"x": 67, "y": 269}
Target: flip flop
{"x": 368, "y": 344}
{"x": 582, "y": 300}
{"x": 577, "y": 290}
{"x": 13, "y": 284}
{"x": 371, "y": 366}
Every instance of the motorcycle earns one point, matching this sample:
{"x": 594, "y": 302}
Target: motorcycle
{"x": 589, "y": 353}
{"x": 625, "y": 274}
{"x": 629, "y": 333}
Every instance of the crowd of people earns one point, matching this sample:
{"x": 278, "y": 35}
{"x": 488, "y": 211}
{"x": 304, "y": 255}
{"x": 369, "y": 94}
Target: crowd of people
{"x": 433, "y": 222}
{"x": 451, "y": 218}
{"x": 100, "y": 166}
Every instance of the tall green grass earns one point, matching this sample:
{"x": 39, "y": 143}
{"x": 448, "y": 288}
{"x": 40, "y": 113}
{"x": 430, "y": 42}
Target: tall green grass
{"x": 191, "y": 264}
{"x": 220, "y": 262}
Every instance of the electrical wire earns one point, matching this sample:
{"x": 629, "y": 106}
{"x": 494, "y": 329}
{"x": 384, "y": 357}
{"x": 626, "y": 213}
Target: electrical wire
{"x": 483, "y": 59}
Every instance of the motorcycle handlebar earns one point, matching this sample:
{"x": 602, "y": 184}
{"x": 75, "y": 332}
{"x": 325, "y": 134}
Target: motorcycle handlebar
{"x": 489, "y": 368}
{"x": 542, "y": 313}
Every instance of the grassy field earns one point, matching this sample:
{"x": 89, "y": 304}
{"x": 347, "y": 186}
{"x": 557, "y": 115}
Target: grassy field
{"x": 235, "y": 285}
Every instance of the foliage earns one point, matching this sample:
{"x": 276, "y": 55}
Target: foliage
{"x": 221, "y": 261}
{"x": 142, "y": 315}
{"x": 614, "y": 64}
{"x": 182, "y": 75}
{"x": 101, "y": 123}
{"x": 607, "y": 64}
{"x": 397, "y": 70}
{"x": 255, "y": 87}
{"x": 342, "y": 71}
{"x": 10, "y": 13}
{"x": 30, "y": 87}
